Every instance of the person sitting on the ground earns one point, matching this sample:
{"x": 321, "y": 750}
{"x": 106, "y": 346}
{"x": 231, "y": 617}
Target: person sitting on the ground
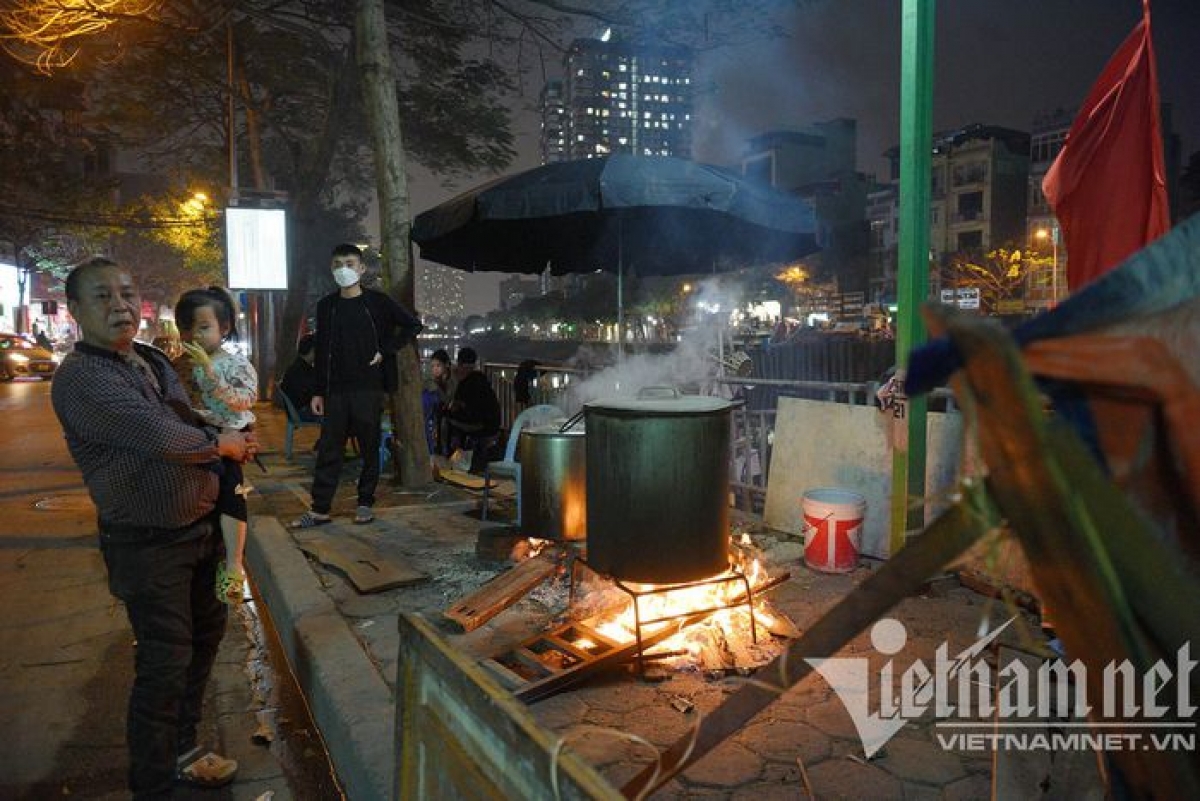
{"x": 299, "y": 381}
{"x": 474, "y": 413}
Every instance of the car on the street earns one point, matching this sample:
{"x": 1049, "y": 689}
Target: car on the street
{"x": 21, "y": 358}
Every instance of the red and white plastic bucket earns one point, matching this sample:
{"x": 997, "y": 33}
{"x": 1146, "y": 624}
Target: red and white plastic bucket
{"x": 833, "y": 520}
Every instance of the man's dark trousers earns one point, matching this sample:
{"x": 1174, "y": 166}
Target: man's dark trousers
{"x": 166, "y": 580}
{"x": 354, "y": 413}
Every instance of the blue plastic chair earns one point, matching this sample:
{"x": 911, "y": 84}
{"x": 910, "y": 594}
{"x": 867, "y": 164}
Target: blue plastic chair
{"x": 386, "y": 435}
{"x": 509, "y": 467}
{"x": 294, "y": 421}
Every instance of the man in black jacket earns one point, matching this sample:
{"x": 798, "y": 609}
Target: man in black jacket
{"x": 474, "y": 414}
{"x": 358, "y": 333}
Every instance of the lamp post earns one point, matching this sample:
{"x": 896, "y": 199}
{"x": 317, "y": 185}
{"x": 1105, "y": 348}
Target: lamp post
{"x": 1052, "y": 235}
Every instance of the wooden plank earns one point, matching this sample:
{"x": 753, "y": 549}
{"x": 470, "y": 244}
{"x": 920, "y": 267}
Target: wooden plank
{"x": 368, "y": 568}
{"x": 501, "y": 489}
{"x": 501, "y": 592}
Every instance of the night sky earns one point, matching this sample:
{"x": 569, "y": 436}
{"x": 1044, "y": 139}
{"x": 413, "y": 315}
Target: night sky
{"x": 996, "y": 62}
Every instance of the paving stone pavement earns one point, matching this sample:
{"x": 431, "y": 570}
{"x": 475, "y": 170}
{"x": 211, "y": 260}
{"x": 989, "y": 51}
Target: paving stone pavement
{"x": 803, "y": 743}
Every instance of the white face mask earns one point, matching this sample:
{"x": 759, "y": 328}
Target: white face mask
{"x": 345, "y": 276}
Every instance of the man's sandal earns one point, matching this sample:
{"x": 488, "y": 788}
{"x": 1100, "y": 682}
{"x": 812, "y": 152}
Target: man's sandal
{"x": 202, "y": 768}
{"x": 310, "y": 520}
{"x": 230, "y": 585}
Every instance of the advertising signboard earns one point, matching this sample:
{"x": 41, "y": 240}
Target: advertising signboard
{"x": 256, "y": 245}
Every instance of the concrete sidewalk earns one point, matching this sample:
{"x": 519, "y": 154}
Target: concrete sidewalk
{"x": 343, "y": 647}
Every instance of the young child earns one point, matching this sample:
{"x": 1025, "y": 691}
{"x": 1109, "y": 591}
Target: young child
{"x": 223, "y": 387}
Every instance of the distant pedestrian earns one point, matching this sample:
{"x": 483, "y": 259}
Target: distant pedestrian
{"x": 524, "y": 383}
{"x": 150, "y": 468}
{"x": 359, "y": 332}
{"x": 223, "y": 387}
{"x": 43, "y": 341}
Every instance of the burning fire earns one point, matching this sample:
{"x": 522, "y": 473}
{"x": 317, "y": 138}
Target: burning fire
{"x": 528, "y": 548}
{"x": 726, "y": 630}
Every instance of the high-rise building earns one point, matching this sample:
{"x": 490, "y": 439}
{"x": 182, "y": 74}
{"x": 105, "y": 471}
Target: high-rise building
{"x": 817, "y": 164}
{"x": 439, "y": 295}
{"x": 979, "y": 185}
{"x": 792, "y": 159}
{"x": 554, "y": 122}
{"x": 516, "y": 288}
{"x": 619, "y": 98}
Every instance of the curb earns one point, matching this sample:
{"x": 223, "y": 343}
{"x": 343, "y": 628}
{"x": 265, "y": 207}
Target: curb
{"x": 348, "y": 699}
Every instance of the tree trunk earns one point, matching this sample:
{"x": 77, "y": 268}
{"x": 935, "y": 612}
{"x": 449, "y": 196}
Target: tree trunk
{"x": 314, "y": 157}
{"x": 383, "y": 118}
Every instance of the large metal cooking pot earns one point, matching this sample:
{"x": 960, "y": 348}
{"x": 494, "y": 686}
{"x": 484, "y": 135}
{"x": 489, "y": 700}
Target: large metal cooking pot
{"x": 658, "y": 487}
{"x": 553, "y": 487}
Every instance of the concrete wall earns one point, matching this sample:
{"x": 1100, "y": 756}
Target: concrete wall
{"x": 822, "y": 444}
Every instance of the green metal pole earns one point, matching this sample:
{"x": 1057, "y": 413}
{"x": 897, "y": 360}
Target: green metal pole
{"x": 916, "y": 142}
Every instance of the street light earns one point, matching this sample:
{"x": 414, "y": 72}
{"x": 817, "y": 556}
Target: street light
{"x": 1052, "y": 235}
{"x": 194, "y": 206}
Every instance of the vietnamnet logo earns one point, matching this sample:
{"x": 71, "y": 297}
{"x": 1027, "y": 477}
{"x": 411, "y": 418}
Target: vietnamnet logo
{"x": 978, "y": 707}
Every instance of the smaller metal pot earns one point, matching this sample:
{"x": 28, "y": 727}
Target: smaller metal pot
{"x": 553, "y": 482}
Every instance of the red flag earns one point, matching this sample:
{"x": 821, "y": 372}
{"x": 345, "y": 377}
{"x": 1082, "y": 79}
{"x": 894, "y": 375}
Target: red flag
{"x": 1107, "y": 185}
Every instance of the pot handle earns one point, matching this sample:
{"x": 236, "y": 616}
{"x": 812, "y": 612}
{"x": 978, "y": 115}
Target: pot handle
{"x": 572, "y": 421}
{"x": 657, "y": 391}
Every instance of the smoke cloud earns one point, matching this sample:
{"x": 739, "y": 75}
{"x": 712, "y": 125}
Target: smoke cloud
{"x": 689, "y": 368}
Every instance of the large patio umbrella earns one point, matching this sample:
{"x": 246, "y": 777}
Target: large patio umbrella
{"x": 656, "y": 215}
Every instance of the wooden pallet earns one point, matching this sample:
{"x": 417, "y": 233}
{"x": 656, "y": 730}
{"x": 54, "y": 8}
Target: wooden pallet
{"x": 550, "y": 662}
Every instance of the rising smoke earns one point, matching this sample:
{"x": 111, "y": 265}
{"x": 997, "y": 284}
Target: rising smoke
{"x": 690, "y": 367}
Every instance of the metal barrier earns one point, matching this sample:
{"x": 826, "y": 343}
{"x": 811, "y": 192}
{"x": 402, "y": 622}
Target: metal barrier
{"x": 552, "y": 386}
{"x": 753, "y": 422}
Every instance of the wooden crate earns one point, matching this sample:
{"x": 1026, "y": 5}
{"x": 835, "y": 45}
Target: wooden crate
{"x": 462, "y": 736}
